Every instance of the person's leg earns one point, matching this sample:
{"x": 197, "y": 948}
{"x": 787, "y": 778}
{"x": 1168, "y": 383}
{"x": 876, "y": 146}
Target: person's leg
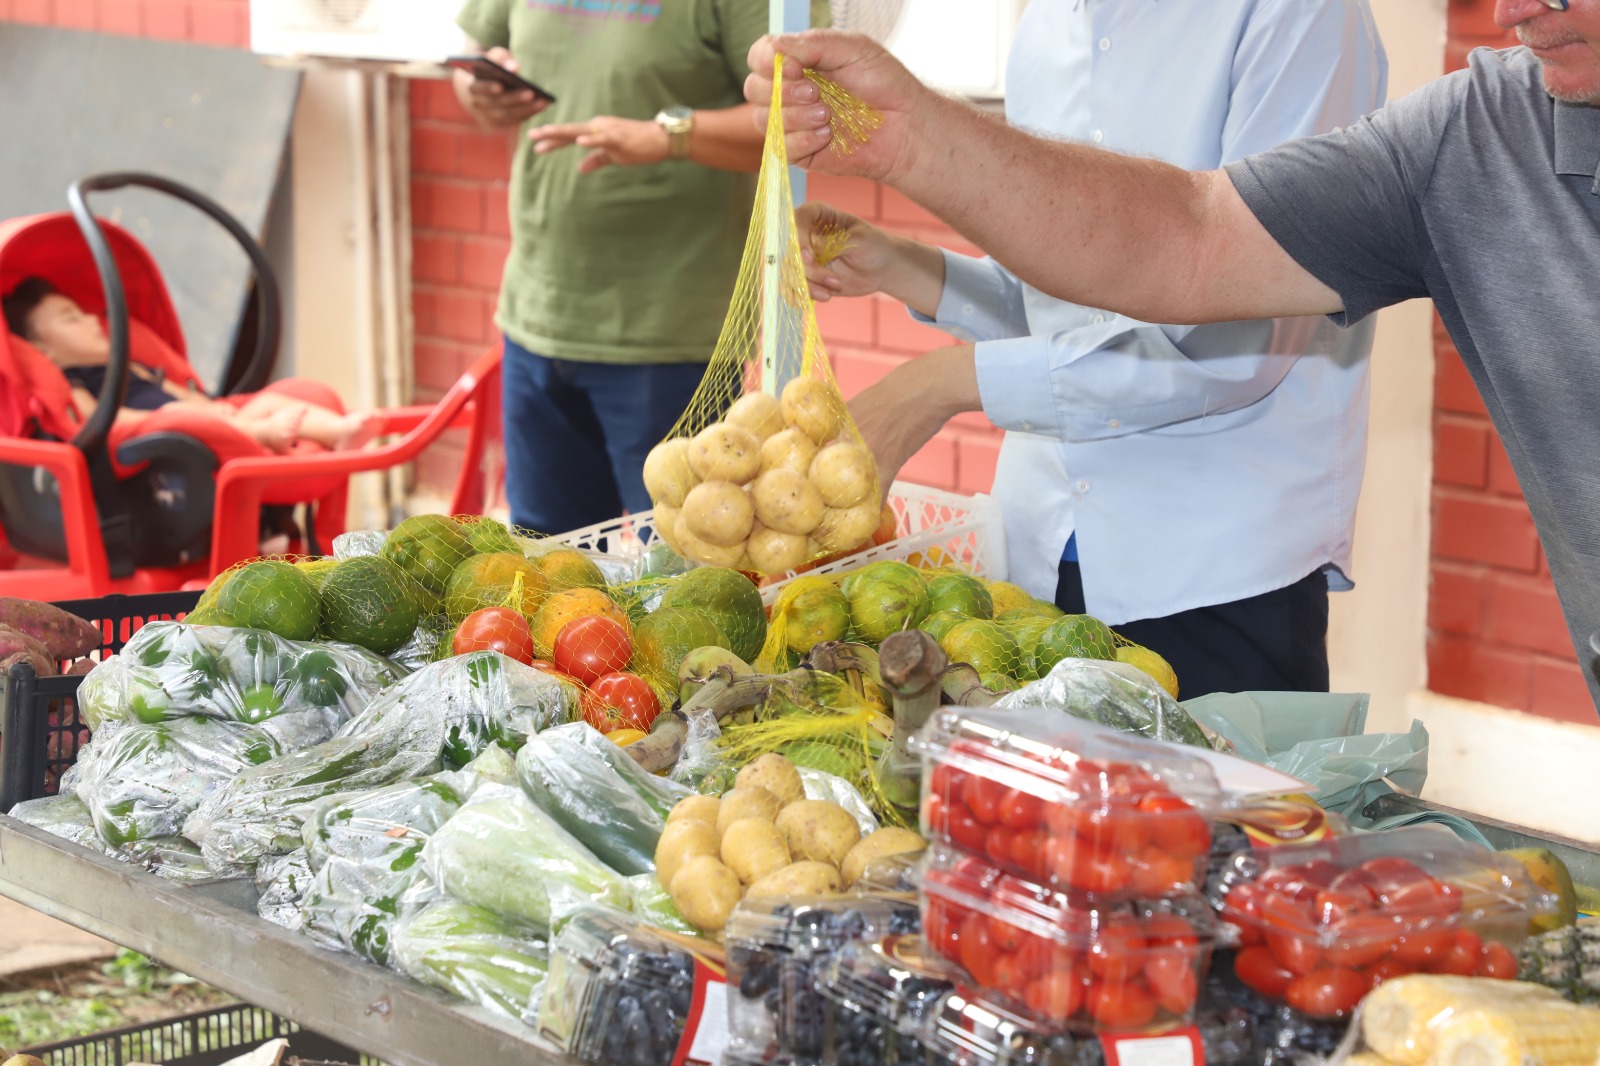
{"x": 328, "y": 428}
{"x": 558, "y": 475}
{"x": 638, "y": 406}
{"x": 1275, "y": 642}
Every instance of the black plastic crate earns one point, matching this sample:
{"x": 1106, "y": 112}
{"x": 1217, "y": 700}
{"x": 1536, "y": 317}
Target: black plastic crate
{"x": 205, "y": 1038}
{"x": 40, "y": 730}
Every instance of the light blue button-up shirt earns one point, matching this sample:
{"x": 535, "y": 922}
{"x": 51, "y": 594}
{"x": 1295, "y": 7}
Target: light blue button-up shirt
{"x": 1197, "y": 465}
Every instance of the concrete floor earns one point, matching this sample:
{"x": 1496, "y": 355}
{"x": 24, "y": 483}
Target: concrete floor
{"x": 31, "y": 941}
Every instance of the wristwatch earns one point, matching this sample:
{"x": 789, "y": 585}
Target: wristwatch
{"x": 678, "y": 122}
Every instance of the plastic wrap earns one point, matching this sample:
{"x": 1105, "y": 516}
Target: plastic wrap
{"x": 1112, "y": 694}
{"x": 359, "y": 542}
{"x": 653, "y": 905}
{"x": 64, "y": 816}
{"x": 142, "y": 781}
{"x": 171, "y": 858}
{"x": 879, "y": 994}
{"x": 1068, "y": 803}
{"x": 472, "y": 953}
{"x": 503, "y": 853}
{"x": 281, "y": 882}
{"x": 701, "y": 766}
{"x": 172, "y": 670}
{"x": 440, "y": 717}
{"x": 1444, "y": 1020}
{"x": 778, "y": 951}
{"x": 591, "y": 788}
{"x": 821, "y": 785}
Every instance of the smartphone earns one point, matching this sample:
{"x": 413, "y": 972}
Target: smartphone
{"x": 485, "y": 69}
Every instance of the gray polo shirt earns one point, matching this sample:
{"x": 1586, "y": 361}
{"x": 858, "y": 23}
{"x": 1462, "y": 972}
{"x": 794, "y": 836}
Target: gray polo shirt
{"x": 1483, "y": 193}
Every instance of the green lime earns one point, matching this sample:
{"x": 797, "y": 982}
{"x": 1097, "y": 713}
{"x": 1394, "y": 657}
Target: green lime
{"x": 368, "y": 601}
{"x": 730, "y": 600}
{"x": 428, "y": 547}
{"x": 274, "y": 596}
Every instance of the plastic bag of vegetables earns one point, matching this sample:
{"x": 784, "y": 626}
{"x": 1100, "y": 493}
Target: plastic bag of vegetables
{"x": 591, "y": 788}
{"x": 1122, "y": 697}
{"x": 440, "y": 717}
{"x": 66, "y": 816}
{"x": 502, "y": 852}
{"x": 472, "y": 953}
{"x": 281, "y": 882}
{"x": 172, "y": 670}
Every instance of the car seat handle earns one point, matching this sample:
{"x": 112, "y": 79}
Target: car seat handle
{"x": 269, "y": 317}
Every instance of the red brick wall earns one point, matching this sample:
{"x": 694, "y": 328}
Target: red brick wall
{"x": 219, "y": 22}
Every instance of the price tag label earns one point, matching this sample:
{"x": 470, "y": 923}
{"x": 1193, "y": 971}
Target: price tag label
{"x": 706, "y": 1036}
{"x": 1180, "y": 1048}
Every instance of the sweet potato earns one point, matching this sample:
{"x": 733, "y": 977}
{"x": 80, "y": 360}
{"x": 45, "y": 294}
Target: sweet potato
{"x": 63, "y": 634}
{"x": 18, "y": 647}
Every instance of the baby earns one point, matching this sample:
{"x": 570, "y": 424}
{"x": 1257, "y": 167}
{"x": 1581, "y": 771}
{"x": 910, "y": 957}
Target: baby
{"x": 76, "y": 342}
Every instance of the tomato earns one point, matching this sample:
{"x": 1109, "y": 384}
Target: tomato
{"x": 1421, "y": 949}
{"x": 1006, "y": 972}
{"x": 1362, "y": 939}
{"x": 1171, "y": 976}
{"x": 942, "y": 926}
{"x": 590, "y": 648}
{"x": 1169, "y": 930}
{"x": 1331, "y": 992}
{"x": 978, "y": 949}
{"x": 997, "y": 844}
{"x": 1174, "y": 826}
{"x": 982, "y": 796}
{"x": 1158, "y": 873}
{"x": 1039, "y": 956}
{"x": 1117, "y": 951}
{"x": 1121, "y": 1005}
{"x": 1333, "y": 906}
{"x": 947, "y": 783}
{"x": 621, "y": 701}
{"x": 966, "y": 831}
{"x": 1057, "y": 996}
{"x": 935, "y": 817}
{"x": 1463, "y": 957}
{"x": 1027, "y": 853}
{"x": 1119, "y": 828}
{"x": 1006, "y": 937}
{"x": 1258, "y": 969}
{"x": 1294, "y": 952}
{"x": 1423, "y": 899}
{"x": 1380, "y": 972}
{"x": 1497, "y": 961}
{"x": 495, "y": 629}
{"x": 1018, "y": 810}
{"x": 1242, "y": 908}
{"x": 1357, "y": 883}
{"x": 1290, "y": 931}
{"x": 1302, "y": 881}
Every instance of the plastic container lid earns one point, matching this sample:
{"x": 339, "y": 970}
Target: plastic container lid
{"x": 891, "y": 979}
{"x": 968, "y": 1031}
{"x": 892, "y": 875}
{"x": 807, "y": 927}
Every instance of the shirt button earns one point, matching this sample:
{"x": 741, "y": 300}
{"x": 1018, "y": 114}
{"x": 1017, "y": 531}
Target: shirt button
{"x": 1027, "y": 427}
{"x": 1115, "y": 423}
{"x": 967, "y": 309}
{"x": 1083, "y": 486}
{"x": 1098, "y": 136}
{"x": 1105, "y": 44}
{"x": 1098, "y": 319}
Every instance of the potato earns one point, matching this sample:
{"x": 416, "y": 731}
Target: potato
{"x": 753, "y": 848}
{"x": 666, "y": 523}
{"x": 879, "y": 845}
{"x": 692, "y": 547}
{"x": 705, "y": 893}
{"x": 701, "y": 807}
{"x": 719, "y": 513}
{"x": 23, "y": 1060}
{"x": 682, "y": 840}
{"x": 789, "y": 449}
{"x": 667, "y": 476}
{"x": 725, "y": 453}
{"x": 846, "y": 529}
{"x": 746, "y": 802}
{"x": 787, "y": 501}
{"x": 771, "y": 552}
{"x": 798, "y": 879}
{"x": 844, "y": 474}
{"x": 818, "y": 830}
{"x": 775, "y": 774}
{"x": 813, "y": 407}
{"x": 757, "y": 414}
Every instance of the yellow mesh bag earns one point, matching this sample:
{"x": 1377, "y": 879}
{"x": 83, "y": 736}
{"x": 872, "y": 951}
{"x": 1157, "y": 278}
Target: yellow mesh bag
{"x": 766, "y": 471}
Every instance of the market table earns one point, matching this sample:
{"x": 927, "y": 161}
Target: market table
{"x": 211, "y": 932}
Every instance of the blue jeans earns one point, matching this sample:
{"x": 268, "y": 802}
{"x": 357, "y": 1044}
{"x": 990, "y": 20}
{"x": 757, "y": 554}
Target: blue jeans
{"x": 577, "y": 433}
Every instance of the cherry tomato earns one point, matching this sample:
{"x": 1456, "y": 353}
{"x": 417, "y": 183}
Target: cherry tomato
{"x": 1171, "y": 976}
{"x": 1357, "y": 883}
{"x": 1331, "y": 992}
{"x": 1362, "y": 940}
{"x": 942, "y": 927}
{"x": 1118, "y": 828}
{"x": 1057, "y": 996}
{"x": 947, "y": 783}
{"x": 1018, "y": 810}
{"x": 1380, "y": 972}
{"x": 1258, "y": 969}
{"x": 966, "y": 831}
{"x": 1064, "y": 855}
{"x": 1302, "y": 881}
{"x": 1006, "y": 972}
{"x": 1105, "y": 873}
{"x": 1294, "y": 951}
{"x": 1039, "y": 956}
{"x": 495, "y": 629}
{"x": 935, "y": 817}
{"x": 978, "y": 949}
{"x": 1158, "y": 873}
{"x": 1421, "y": 949}
{"x": 1121, "y": 1005}
{"x": 1290, "y": 932}
{"x": 997, "y": 844}
{"x": 1497, "y": 961}
{"x": 1424, "y": 899}
{"x": 983, "y": 796}
{"x": 1174, "y": 826}
{"x": 1118, "y": 949}
{"x": 1027, "y": 853}
{"x": 621, "y": 701}
{"x": 1006, "y": 937}
{"x": 1463, "y": 957}
{"x": 1169, "y": 930}
{"x": 590, "y": 648}
{"x": 1242, "y": 909}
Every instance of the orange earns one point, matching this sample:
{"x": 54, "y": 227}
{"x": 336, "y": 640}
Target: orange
{"x": 623, "y": 737}
{"x": 569, "y": 568}
{"x": 562, "y": 607}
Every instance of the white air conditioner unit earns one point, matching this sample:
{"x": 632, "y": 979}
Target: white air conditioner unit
{"x": 958, "y": 46}
{"x": 396, "y": 30}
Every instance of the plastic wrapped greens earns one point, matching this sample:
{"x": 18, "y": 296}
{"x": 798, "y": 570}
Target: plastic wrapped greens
{"x": 172, "y": 670}
{"x": 440, "y": 717}
{"x": 363, "y": 850}
{"x": 502, "y": 852}
{"x": 171, "y": 858}
{"x": 1122, "y": 697}
{"x": 591, "y": 788}
{"x": 64, "y": 816}
{"x": 281, "y": 882}
{"x": 142, "y": 781}
{"x": 472, "y": 953}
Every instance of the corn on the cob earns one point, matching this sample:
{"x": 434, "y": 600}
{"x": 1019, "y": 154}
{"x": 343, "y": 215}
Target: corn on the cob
{"x": 1533, "y": 1032}
{"x": 1400, "y": 1019}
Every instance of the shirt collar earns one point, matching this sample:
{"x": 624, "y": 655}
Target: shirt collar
{"x": 1577, "y": 131}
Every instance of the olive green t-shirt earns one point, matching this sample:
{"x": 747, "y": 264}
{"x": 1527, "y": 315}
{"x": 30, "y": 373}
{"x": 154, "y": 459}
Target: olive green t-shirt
{"x": 629, "y": 264}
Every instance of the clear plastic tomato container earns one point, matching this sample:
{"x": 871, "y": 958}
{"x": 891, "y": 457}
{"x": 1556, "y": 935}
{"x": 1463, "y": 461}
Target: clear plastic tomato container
{"x": 1062, "y": 960}
{"x": 880, "y": 994}
{"x": 1067, "y": 803}
{"x": 1317, "y": 926}
{"x": 777, "y": 952}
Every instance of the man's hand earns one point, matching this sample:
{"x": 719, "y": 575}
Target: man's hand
{"x": 863, "y": 254}
{"x": 611, "y": 141}
{"x": 911, "y": 404}
{"x": 855, "y": 63}
{"x": 492, "y": 104}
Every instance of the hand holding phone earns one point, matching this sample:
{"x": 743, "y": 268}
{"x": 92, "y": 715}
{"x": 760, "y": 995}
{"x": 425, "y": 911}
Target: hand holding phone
{"x": 484, "y": 69}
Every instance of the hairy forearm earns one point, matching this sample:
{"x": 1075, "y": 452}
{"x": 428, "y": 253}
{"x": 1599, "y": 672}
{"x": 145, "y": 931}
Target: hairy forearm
{"x": 726, "y": 139}
{"x": 916, "y": 276}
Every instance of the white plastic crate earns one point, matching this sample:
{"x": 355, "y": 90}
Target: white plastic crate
{"x": 943, "y": 528}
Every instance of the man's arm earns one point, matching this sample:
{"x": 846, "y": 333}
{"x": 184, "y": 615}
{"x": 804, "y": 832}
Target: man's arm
{"x": 723, "y": 139}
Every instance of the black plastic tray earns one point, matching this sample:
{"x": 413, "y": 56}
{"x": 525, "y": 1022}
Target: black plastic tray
{"x": 205, "y": 1038}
